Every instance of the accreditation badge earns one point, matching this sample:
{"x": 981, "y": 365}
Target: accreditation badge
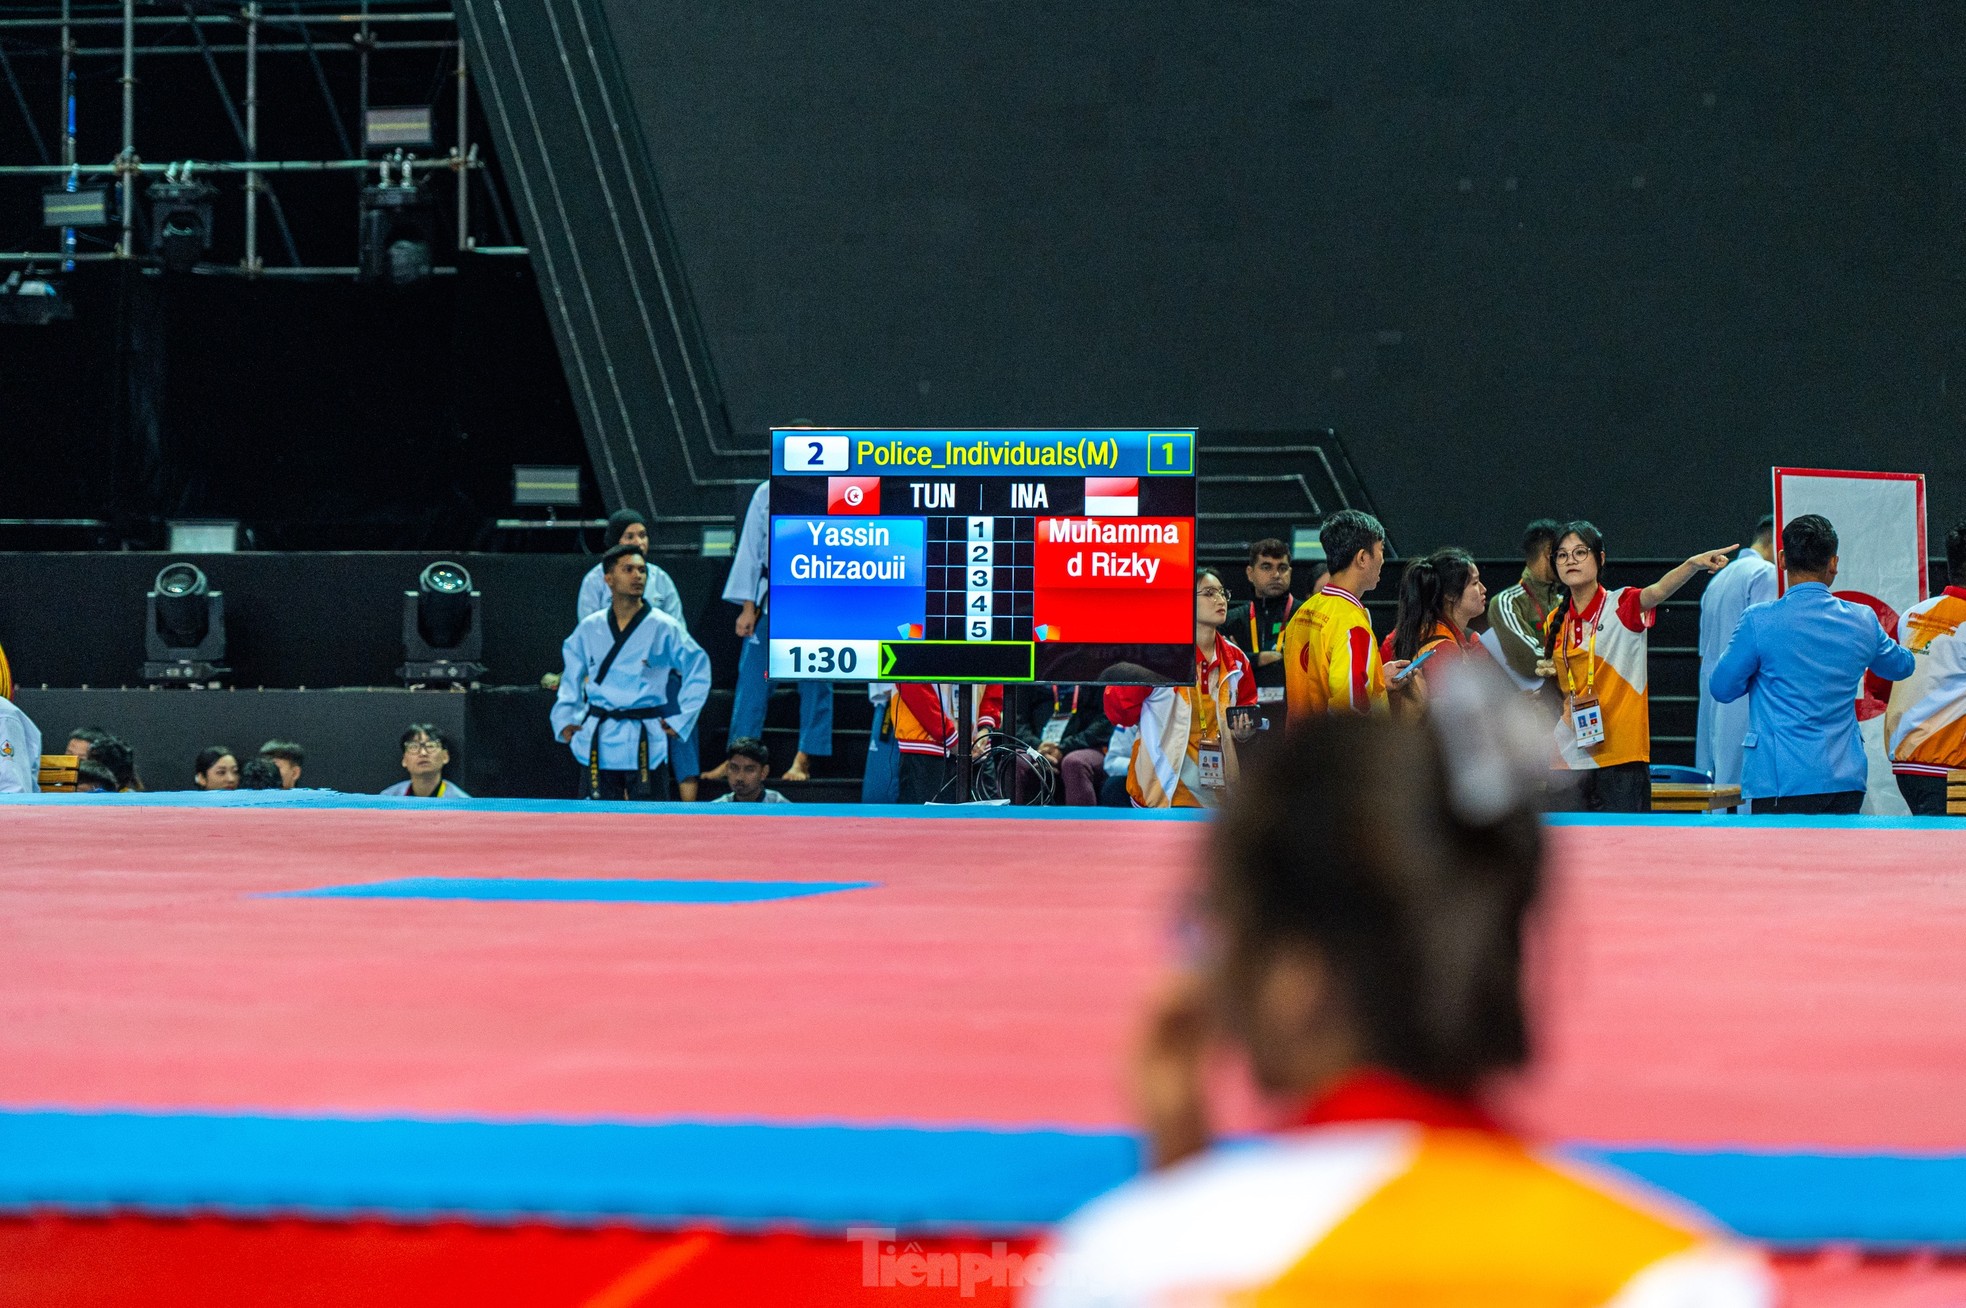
{"x": 1587, "y": 721}
{"x": 1208, "y": 760}
{"x": 1269, "y": 694}
{"x": 1054, "y": 730}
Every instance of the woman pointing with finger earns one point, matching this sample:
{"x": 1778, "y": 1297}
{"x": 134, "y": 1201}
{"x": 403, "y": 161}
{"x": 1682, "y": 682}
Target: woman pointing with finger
{"x": 1596, "y": 646}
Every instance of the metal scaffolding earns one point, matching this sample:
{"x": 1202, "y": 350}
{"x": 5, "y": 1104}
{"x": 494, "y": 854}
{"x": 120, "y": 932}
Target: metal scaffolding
{"x": 358, "y": 27}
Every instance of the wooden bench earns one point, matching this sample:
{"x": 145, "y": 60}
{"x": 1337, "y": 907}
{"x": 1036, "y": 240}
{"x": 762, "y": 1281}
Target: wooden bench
{"x": 1685, "y": 797}
{"x": 59, "y": 771}
{"x": 1956, "y": 792}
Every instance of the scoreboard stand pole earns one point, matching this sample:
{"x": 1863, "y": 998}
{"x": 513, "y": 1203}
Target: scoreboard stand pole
{"x": 965, "y": 741}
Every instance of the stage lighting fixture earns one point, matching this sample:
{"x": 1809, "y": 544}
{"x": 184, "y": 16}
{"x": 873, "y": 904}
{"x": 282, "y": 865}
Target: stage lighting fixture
{"x": 27, "y": 300}
{"x": 180, "y": 222}
{"x": 85, "y": 206}
{"x": 389, "y": 129}
{"x": 442, "y": 638}
{"x": 184, "y": 632}
{"x": 399, "y": 229}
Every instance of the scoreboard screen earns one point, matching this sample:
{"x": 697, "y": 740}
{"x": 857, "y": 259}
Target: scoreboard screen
{"x": 983, "y": 556}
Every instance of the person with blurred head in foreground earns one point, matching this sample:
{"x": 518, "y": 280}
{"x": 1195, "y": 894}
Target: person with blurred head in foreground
{"x": 1358, "y": 940}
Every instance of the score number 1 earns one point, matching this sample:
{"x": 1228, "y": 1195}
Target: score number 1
{"x": 824, "y": 660}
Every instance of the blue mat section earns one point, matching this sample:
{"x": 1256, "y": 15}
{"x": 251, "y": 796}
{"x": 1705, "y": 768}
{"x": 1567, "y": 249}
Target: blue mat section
{"x": 330, "y": 799}
{"x": 659, "y": 1174}
{"x": 818, "y": 1177}
{"x": 553, "y": 890}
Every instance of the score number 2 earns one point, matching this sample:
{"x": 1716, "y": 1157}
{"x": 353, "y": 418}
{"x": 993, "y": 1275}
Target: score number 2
{"x": 814, "y": 453}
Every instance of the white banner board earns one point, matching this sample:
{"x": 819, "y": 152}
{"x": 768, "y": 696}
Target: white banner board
{"x": 1880, "y": 529}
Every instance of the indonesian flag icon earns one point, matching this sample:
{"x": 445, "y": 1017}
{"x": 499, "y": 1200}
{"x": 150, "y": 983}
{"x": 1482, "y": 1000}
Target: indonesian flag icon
{"x": 1112, "y": 497}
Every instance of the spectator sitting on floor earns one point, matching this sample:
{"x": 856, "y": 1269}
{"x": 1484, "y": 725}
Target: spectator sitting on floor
{"x": 217, "y": 768}
{"x": 116, "y": 755}
{"x": 288, "y": 757}
{"x": 745, "y": 772}
{"x": 92, "y": 778}
{"x": 1067, "y": 724}
{"x": 260, "y": 774}
{"x": 83, "y": 739}
{"x": 426, "y": 753}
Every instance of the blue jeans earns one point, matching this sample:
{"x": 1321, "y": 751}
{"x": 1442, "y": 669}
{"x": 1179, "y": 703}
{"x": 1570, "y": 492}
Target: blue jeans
{"x": 747, "y": 710}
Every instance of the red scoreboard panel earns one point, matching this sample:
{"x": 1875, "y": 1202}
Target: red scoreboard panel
{"x": 983, "y": 555}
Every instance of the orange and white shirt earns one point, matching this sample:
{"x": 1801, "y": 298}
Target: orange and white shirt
{"x": 1928, "y": 738}
{"x": 1602, "y": 651}
{"x": 1330, "y": 660}
{"x": 1387, "y": 1195}
{"x": 1165, "y": 771}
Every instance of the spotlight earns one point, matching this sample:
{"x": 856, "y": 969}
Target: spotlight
{"x": 184, "y": 632}
{"x": 28, "y": 300}
{"x": 442, "y": 638}
{"x": 398, "y": 230}
{"x": 180, "y": 222}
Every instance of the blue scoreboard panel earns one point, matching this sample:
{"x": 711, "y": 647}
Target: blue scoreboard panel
{"x": 983, "y": 556}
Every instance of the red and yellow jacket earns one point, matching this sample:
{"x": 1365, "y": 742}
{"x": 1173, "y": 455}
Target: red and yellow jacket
{"x": 925, "y": 716}
{"x": 1330, "y": 660}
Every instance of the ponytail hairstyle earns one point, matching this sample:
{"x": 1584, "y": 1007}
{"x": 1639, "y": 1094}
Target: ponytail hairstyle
{"x": 1407, "y": 856}
{"x": 1428, "y": 591}
{"x": 1593, "y": 540}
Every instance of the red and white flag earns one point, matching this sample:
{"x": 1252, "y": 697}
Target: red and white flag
{"x": 1112, "y": 497}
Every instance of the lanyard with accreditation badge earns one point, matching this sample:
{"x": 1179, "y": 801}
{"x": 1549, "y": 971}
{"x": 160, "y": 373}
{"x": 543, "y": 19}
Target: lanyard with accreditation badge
{"x": 1215, "y": 752}
{"x": 1586, "y": 714}
{"x": 1061, "y": 717}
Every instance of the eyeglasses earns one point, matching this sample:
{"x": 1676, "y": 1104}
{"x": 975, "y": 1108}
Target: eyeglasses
{"x": 1211, "y": 592}
{"x": 1572, "y": 556}
{"x": 423, "y": 747}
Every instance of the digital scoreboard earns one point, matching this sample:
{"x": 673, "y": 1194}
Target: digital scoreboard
{"x": 983, "y": 556}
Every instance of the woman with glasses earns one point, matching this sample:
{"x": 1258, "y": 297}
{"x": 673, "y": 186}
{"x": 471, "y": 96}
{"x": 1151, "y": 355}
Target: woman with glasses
{"x": 426, "y": 752}
{"x": 1595, "y": 646}
{"x": 1185, "y": 757}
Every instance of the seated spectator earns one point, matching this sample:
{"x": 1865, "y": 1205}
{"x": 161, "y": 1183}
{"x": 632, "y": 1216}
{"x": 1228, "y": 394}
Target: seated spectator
{"x": 288, "y": 757}
{"x": 1184, "y": 758}
{"x": 745, "y": 772}
{"x": 1067, "y": 724}
{"x": 260, "y": 774}
{"x": 1118, "y": 762}
{"x": 116, "y": 755}
{"x": 1440, "y": 596}
{"x": 426, "y": 753}
{"x": 1359, "y": 933}
{"x": 1312, "y": 576}
{"x": 217, "y": 768}
{"x": 1256, "y": 625}
{"x": 83, "y": 739}
{"x": 92, "y": 778}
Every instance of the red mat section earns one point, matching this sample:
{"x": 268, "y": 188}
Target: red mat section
{"x": 1704, "y": 986}
{"x": 209, "y": 1263}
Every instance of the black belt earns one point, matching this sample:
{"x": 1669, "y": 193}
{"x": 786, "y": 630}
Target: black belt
{"x": 600, "y": 715}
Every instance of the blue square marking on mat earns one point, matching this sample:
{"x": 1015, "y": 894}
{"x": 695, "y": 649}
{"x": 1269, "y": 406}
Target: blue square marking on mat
{"x": 584, "y": 891}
